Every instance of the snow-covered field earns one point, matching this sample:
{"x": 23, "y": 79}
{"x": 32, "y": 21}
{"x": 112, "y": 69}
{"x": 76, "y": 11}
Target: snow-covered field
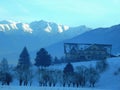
{"x": 44, "y": 88}
{"x": 108, "y": 79}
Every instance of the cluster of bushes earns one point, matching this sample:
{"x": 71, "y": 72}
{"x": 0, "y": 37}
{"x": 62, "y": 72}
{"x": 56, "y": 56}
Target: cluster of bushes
{"x": 25, "y": 72}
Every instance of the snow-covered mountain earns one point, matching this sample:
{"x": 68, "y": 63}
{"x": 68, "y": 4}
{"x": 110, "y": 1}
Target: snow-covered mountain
{"x": 39, "y": 26}
{"x": 110, "y": 35}
{"x": 6, "y": 26}
{"x": 48, "y": 27}
{"x": 15, "y": 35}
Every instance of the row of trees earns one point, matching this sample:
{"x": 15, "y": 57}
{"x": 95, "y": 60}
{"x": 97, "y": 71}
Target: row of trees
{"x": 83, "y": 75}
{"x": 25, "y": 73}
{"x": 43, "y": 58}
{"x": 22, "y": 70}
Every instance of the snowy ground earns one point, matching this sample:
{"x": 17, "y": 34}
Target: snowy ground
{"x": 44, "y": 88}
{"x": 108, "y": 80}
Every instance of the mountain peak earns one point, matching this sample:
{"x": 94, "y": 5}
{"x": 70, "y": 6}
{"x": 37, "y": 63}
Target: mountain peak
{"x": 8, "y": 25}
{"x": 37, "y": 27}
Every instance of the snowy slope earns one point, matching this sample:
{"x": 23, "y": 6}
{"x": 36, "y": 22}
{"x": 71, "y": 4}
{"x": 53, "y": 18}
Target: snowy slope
{"x": 108, "y": 80}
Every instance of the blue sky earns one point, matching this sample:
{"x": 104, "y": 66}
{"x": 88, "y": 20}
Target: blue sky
{"x": 92, "y": 13}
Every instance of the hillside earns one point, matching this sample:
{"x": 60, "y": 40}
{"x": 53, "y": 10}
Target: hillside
{"x": 108, "y": 79}
{"x": 108, "y": 35}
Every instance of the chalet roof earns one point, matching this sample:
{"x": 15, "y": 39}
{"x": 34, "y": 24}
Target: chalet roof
{"x": 99, "y": 47}
{"x": 86, "y": 46}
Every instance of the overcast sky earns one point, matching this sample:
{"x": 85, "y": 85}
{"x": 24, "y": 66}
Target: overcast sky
{"x": 92, "y": 13}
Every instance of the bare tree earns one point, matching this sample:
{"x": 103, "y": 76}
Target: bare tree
{"x": 82, "y": 75}
{"x": 93, "y": 76}
{"x": 5, "y": 75}
{"x": 101, "y": 66}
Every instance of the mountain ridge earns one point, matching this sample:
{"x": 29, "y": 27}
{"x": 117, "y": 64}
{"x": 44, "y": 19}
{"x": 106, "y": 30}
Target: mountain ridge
{"x": 33, "y": 26}
{"x": 109, "y": 35}
{"x": 34, "y": 36}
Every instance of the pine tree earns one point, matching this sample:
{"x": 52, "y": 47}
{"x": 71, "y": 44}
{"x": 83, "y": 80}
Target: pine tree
{"x": 23, "y": 66}
{"x": 42, "y": 58}
{"x": 24, "y": 60}
{"x": 68, "y": 74}
{"x": 68, "y": 68}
